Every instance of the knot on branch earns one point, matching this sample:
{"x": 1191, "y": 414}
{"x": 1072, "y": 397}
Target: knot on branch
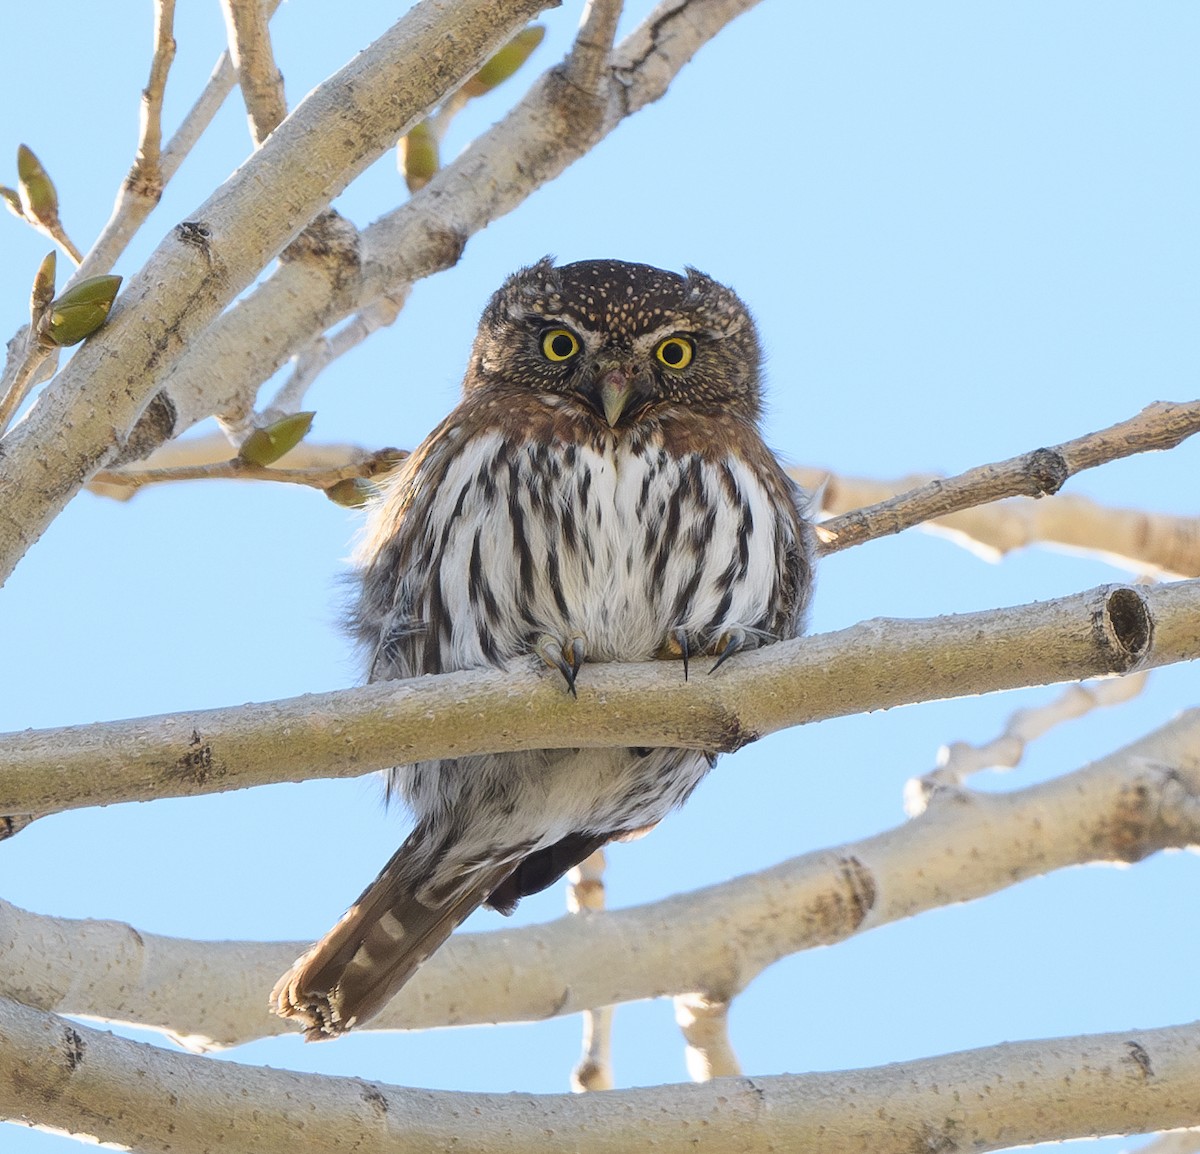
{"x": 1047, "y": 470}
{"x": 154, "y": 427}
{"x": 1126, "y": 627}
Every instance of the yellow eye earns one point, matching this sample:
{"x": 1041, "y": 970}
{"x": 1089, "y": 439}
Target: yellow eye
{"x": 560, "y": 345}
{"x": 675, "y": 352}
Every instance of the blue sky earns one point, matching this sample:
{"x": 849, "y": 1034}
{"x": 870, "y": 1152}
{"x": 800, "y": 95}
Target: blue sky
{"x": 966, "y": 230}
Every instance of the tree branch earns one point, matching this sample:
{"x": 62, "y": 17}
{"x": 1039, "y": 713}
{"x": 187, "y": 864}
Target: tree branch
{"x": 714, "y": 941}
{"x": 81, "y": 421}
{"x": 258, "y": 76}
{"x": 125, "y": 482}
{"x": 85, "y": 1082}
{"x": 1162, "y": 425}
{"x": 313, "y": 361}
{"x": 344, "y": 733}
{"x": 960, "y": 760}
{"x": 704, "y": 1022}
{"x": 585, "y": 895}
{"x": 1132, "y": 538}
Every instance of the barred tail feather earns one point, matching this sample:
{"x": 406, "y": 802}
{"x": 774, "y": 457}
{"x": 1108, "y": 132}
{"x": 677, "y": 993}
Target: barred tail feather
{"x": 358, "y": 966}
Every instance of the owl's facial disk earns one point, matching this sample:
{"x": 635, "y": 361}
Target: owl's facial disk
{"x": 616, "y": 378}
{"x": 623, "y": 340}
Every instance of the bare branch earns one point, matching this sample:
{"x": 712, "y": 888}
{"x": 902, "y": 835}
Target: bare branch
{"x": 585, "y": 895}
{"x": 587, "y": 66}
{"x": 81, "y": 1081}
{"x": 1134, "y": 539}
{"x": 148, "y": 165}
{"x": 959, "y": 760}
{"x": 143, "y": 186}
{"x": 258, "y": 77}
{"x": 705, "y": 1025}
{"x": 1162, "y": 425}
{"x": 345, "y": 733}
{"x": 127, "y": 481}
{"x": 142, "y": 189}
{"x": 715, "y": 941}
{"x": 26, "y": 356}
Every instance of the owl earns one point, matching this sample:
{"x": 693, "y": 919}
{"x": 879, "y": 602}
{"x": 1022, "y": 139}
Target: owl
{"x": 601, "y": 493}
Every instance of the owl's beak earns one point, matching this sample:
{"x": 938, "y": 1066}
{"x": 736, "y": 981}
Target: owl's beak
{"x": 618, "y": 386}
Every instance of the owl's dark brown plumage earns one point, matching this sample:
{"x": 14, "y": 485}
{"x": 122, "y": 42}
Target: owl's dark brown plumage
{"x": 601, "y": 493}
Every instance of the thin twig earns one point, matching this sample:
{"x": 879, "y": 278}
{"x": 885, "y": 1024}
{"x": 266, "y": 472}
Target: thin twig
{"x": 219, "y": 86}
{"x": 586, "y": 894}
{"x": 1162, "y": 425}
{"x": 310, "y": 363}
{"x": 1165, "y": 545}
{"x": 137, "y": 198}
{"x": 28, "y": 352}
{"x": 587, "y": 66}
{"x": 235, "y": 469}
{"x": 705, "y": 1025}
{"x": 142, "y": 187}
{"x": 959, "y": 760}
{"x": 258, "y": 76}
{"x": 25, "y": 358}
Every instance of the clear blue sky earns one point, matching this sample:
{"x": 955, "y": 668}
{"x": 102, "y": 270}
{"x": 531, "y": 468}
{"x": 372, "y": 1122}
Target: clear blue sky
{"x": 966, "y": 230}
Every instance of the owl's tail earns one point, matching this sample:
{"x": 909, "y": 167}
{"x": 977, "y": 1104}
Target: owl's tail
{"x": 355, "y": 969}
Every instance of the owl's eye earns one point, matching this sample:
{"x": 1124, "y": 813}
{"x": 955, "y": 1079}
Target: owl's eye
{"x": 675, "y": 352}
{"x": 560, "y": 345}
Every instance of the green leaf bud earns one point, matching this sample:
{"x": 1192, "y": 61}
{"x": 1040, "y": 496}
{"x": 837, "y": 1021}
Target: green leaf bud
{"x": 80, "y": 311}
{"x": 266, "y": 445}
{"x": 506, "y": 62}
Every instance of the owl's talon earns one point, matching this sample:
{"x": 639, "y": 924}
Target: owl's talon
{"x": 565, "y": 658}
{"x": 675, "y": 645}
{"x": 729, "y": 643}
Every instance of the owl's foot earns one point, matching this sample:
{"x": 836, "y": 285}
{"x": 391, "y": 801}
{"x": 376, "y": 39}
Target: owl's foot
{"x": 729, "y": 643}
{"x": 675, "y": 646}
{"x": 565, "y": 656}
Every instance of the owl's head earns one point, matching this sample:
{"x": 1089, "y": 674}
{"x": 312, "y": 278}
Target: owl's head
{"x": 621, "y": 339}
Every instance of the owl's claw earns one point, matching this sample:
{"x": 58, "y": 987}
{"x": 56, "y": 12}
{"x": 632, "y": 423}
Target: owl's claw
{"x": 566, "y": 658}
{"x": 727, "y": 645}
{"x": 675, "y": 645}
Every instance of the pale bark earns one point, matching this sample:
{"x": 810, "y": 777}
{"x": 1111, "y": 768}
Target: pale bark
{"x": 86, "y": 415}
{"x": 1137, "y": 540}
{"x": 1041, "y": 472}
{"x": 84, "y": 1082}
{"x": 959, "y": 760}
{"x": 258, "y": 76}
{"x": 705, "y": 1025}
{"x": 712, "y": 942}
{"x": 345, "y": 733}
{"x": 585, "y": 895}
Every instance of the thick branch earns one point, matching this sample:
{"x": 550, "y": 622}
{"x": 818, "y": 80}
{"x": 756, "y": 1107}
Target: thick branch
{"x": 85, "y": 416}
{"x": 714, "y": 941}
{"x": 82, "y": 1081}
{"x": 1162, "y": 425}
{"x": 344, "y": 733}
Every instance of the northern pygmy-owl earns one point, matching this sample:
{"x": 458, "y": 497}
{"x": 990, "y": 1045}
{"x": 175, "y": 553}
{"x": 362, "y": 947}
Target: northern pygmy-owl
{"x": 601, "y": 493}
